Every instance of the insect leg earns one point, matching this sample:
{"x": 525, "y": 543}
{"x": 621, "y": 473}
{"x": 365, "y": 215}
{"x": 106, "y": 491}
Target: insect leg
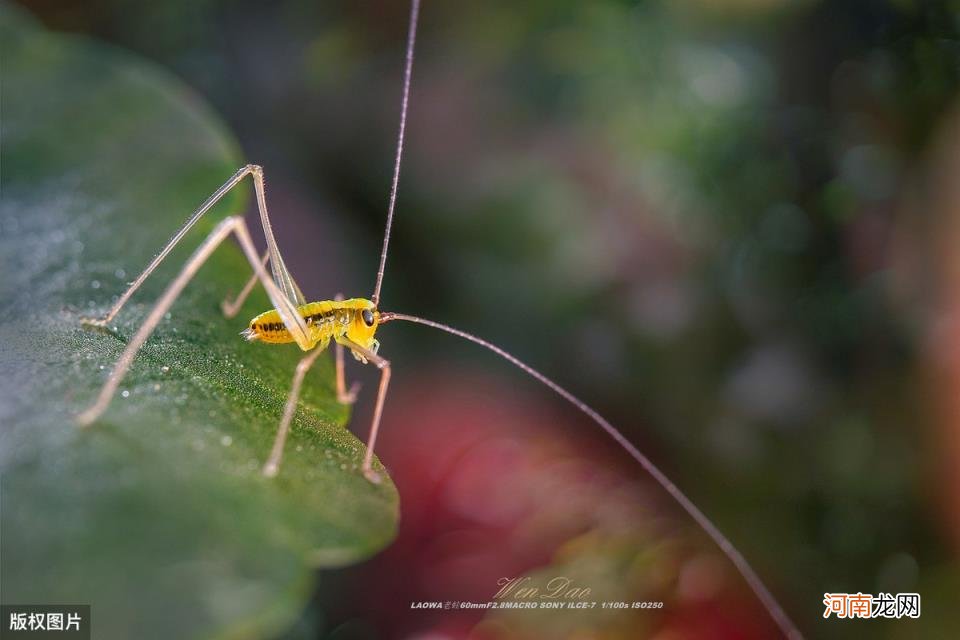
{"x": 283, "y": 286}
{"x": 283, "y": 280}
{"x": 343, "y": 396}
{"x": 281, "y": 275}
{"x": 384, "y": 365}
{"x": 192, "y": 220}
{"x": 272, "y": 466}
{"x": 230, "y": 309}
{"x": 233, "y": 224}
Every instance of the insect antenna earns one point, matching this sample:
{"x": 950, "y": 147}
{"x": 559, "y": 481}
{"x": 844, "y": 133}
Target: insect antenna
{"x": 749, "y": 575}
{"x": 407, "y": 70}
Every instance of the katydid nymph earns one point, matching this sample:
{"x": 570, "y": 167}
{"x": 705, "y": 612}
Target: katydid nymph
{"x": 349, "y": 324}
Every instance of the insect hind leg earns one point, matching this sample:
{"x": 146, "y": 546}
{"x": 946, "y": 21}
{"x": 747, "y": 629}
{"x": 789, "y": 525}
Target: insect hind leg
{"x": 229, "y": 307}
{"x": 177, "y": 237}
{"x": 281, "y": 275}
{"x": 238, "y": 227}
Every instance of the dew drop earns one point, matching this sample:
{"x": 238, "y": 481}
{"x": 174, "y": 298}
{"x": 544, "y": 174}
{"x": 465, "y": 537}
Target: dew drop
{"x": 125, "y": 393}
{"x": 95, "y": 284}
{"x": 226, "y": 441}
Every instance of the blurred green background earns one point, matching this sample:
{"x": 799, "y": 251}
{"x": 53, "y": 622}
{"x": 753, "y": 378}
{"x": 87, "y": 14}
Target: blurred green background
{"x": 724, "y": 224}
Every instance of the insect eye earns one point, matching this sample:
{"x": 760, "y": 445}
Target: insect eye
{"x": 367, "y": 317}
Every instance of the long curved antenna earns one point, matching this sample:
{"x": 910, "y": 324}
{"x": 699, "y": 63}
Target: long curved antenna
{"x": 407, "y": 70}
{"x": 749, "y": 575}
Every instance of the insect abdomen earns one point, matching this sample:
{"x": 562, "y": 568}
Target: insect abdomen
{"x": 268, "y": 327}
{"x": 321, "y": 318}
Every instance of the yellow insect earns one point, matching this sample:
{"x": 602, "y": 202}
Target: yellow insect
{"x": 350, "y": 324}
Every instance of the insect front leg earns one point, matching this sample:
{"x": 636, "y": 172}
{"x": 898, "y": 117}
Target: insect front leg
{"x": 343, "y": 396}
{"x": 237, "y": 226}
{"x": 272, "y": 466}
{"x": 384, "y": 365}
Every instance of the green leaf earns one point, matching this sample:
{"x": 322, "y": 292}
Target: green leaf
{"x": 158, "y": 515}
